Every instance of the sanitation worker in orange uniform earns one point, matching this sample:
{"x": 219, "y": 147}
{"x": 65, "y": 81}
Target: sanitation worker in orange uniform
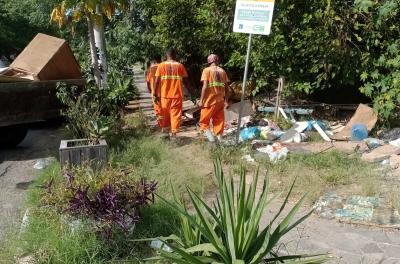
{"x": 170, "y": 78}
{"x": 150, "y": 86}
{"x": 214, "y": 98}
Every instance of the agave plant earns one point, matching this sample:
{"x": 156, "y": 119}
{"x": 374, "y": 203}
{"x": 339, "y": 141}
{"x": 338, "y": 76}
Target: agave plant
{"x": 229, "y": 230}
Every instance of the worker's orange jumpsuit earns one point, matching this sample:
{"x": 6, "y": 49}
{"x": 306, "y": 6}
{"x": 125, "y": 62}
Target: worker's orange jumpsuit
{"x": 171, "y": 75}
{"x": 157, "y": 105}
{"x": 214, "y": 99}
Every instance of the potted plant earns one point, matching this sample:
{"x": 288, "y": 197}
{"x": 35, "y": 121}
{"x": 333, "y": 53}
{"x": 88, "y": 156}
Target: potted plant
{"x": 90, "y": 119}
{"x": 92, "y": 149}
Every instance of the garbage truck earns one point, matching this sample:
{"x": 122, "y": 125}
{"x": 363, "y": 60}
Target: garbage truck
{"x": 28, "y": 86}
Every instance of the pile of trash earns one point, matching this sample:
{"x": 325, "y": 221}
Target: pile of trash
{"x": 267, "y": 138}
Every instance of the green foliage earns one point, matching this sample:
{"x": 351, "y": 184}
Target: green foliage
{"x": 49, "y": 238}
{"x": 86, "y": 113}
{"x": 324, "y": 171}
{"x": 121, "y": 88}
{"x": 229, "y": 231}
{"x": 123, "y": 44}
{"x": 94, "y": 113}
{"x": 381, "y": 54}
{"x": 156, "y": 159}
{"x": 20, "y": 21}
{"x": 310, "y": 44}
{"x": 315, "y": 45}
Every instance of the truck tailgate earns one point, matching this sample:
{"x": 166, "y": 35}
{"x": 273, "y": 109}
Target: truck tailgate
{"x": 29, "y": 102}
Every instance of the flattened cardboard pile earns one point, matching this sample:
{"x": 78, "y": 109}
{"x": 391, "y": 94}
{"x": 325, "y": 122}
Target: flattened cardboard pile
{"x": 45, "y": 58}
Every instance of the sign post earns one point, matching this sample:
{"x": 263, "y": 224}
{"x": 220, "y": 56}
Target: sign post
{"x": 251, "y": 17}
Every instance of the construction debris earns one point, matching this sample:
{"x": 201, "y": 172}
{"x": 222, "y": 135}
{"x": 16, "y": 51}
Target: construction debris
{"x": 380, "y": 154}
{"x": 373, "y": 143}
{"x": 357, "y": 209}
{"x": 232, "y": 112}
{"x": 250, "y": 133}
{"x": 193, "y": 113}
{"x": 316, "y": 148}
{"x": 390, "y": 135}
{"x": 364, "y": 115}
{"x": 359, "y": 132}
{"x": 297, "y": 111}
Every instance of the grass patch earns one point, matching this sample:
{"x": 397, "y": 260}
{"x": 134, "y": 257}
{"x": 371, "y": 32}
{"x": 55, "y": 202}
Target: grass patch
{"x": 314, "y": 136}
{"x": 156, "y": 159}
{"x": 317, "y": 173}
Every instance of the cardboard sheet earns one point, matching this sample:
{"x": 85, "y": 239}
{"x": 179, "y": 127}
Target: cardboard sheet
{"x": 232, "y": 113}
{"x": 364, "y": 115}
{"x": 48, "y": 58}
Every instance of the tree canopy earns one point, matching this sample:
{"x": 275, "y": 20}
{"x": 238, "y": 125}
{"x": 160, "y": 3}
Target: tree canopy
{"x": 316, "y": 45}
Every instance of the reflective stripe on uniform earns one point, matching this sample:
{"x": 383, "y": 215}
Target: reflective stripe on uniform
{"x": 216, "y": 84}
{"x": 171, "y": 77}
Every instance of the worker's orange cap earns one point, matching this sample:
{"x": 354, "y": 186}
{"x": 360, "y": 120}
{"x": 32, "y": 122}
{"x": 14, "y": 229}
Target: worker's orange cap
{"x": 212, "y": 58}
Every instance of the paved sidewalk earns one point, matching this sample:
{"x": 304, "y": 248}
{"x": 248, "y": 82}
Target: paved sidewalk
{"x": 144, "y": 101}
{"x": 144, "y": 104}
{"x": 348, "y": 244}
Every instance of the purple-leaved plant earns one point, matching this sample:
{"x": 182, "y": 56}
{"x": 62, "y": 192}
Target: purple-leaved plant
{"x": 110, "y": 206}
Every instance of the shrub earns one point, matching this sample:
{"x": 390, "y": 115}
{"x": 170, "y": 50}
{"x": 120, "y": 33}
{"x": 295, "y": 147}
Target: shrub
{"x": 110, "y": 199}
{"x": 95, "y": 113}
{"x": 229, "y": 232}
{"x": 381, "y": 54}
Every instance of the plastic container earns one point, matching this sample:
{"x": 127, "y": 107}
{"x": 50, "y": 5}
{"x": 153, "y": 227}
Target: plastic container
{"x": 359, "y": 132}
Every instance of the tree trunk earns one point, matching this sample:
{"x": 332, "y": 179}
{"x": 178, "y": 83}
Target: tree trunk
{"x": 99, "y": 39}
{"x": 93, "y": 51}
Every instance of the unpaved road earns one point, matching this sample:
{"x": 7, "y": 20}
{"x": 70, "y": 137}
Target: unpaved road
{"x": 17, "y": 172}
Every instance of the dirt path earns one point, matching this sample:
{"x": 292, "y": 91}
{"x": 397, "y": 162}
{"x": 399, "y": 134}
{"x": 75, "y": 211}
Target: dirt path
{"x": 17, "y": 172}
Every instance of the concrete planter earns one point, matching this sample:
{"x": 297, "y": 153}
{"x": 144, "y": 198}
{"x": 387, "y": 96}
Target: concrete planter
{"x": 78, "y": 151}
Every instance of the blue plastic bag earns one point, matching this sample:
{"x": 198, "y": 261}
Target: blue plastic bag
{"x": 359, "y": 132}
{"x": 250, "y": 133}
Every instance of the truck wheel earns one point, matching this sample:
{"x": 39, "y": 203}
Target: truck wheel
{"x": 11, "y": 136}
